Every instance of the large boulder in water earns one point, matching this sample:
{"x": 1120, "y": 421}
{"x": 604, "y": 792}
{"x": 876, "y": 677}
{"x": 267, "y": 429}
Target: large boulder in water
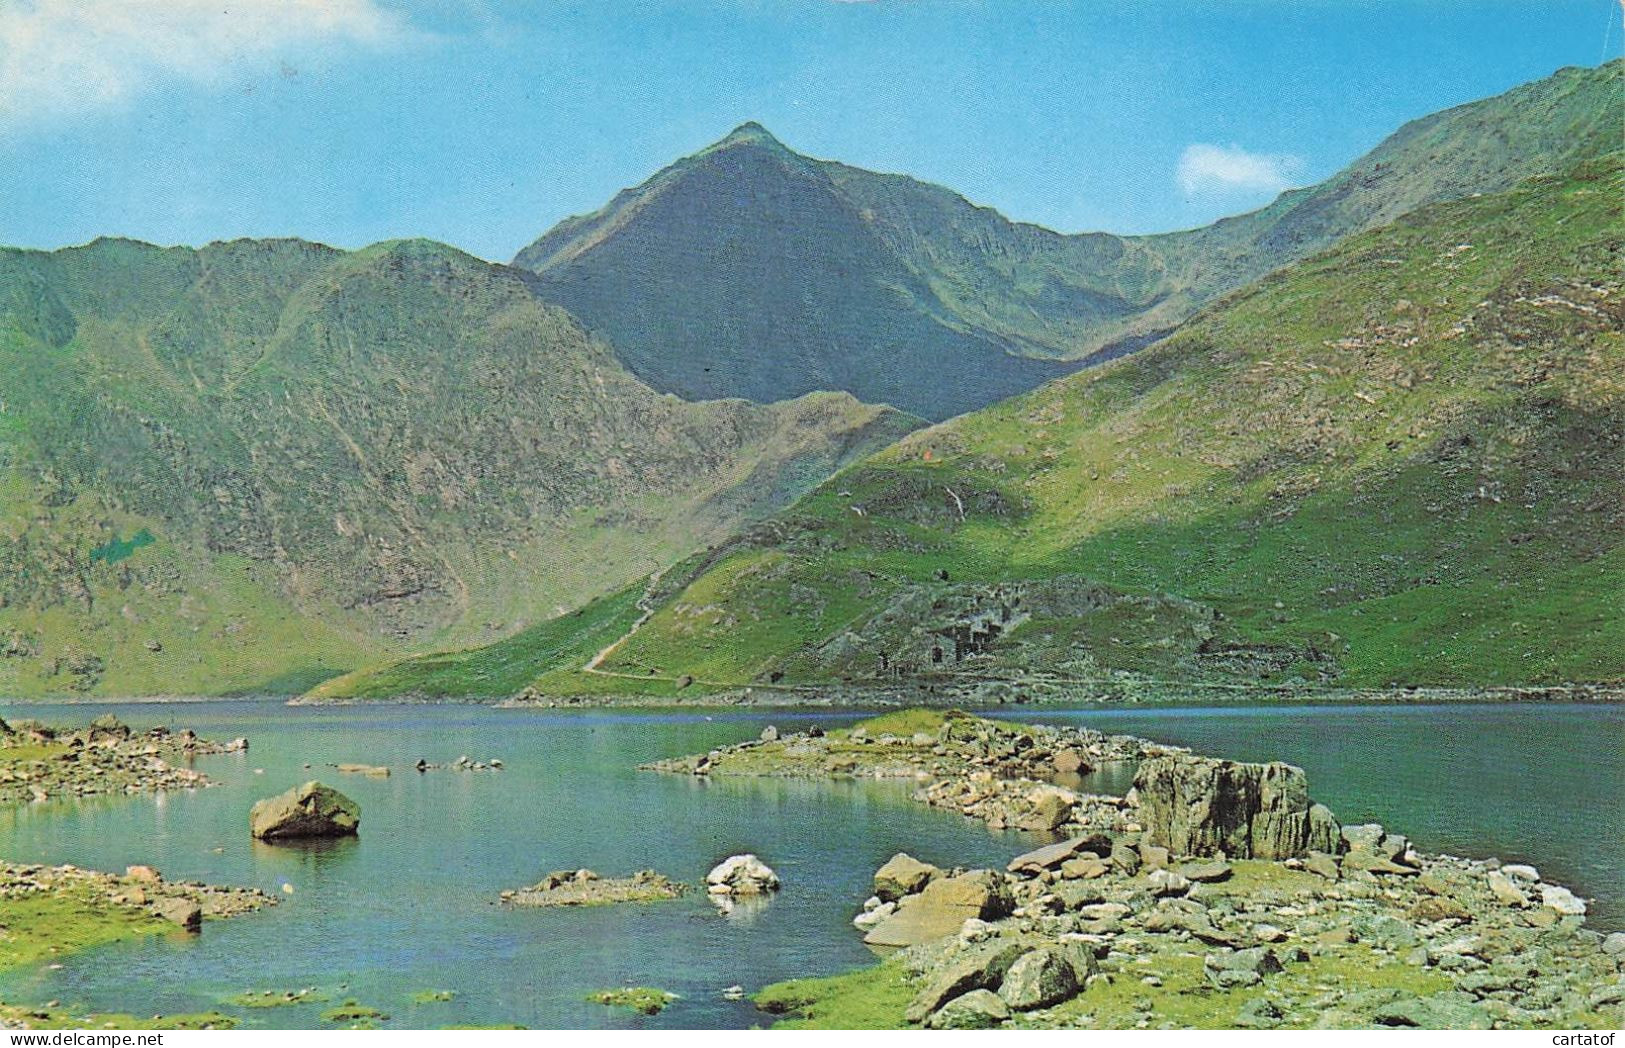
{"x": 741, "y": 875}
{"x": 311, "y": 810}
{"x": 1202, "y": 806}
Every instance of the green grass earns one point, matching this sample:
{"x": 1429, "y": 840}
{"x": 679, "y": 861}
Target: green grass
{"x": 40, "y": 928}
{"x": 904, "y": 723}
{"x": 357, "y": 1015}
{"x": 644, "y": 1000}
{"x": 867, "y": 999}
{"x": 1378, "y": 467}
{"x": 497, "y": 670}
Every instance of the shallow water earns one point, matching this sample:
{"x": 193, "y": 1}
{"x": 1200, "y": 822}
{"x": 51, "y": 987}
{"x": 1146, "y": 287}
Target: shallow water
{"x": 410, "y": 906}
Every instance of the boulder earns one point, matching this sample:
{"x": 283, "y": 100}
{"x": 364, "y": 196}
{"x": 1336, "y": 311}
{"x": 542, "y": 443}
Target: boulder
{"x": 1052, "y": 809}
{"x": 142, "y": 875}
{"x": 1203, "y": 806}
{"x": 770, "y": 734}
{"x": 1323, "y": 864}
{"x": 1076, "y": 894}
{"x": 310, "y": 810}
{"x": 982, "y": 967}
{"x": 1240, "y": 967}
{"x": 977, "y": 1010}
{"x": 107, "y": 726}
{"x": 942, "y": 909}
{"x": 903, "y": 875}
{"x": 1205, "y": 872}
{"x": 184, "y": 912}
{"x": 1451, "y": 1010}
{"x": 1506, "y": 893}
{"x": 1069, "y": 762}
{"x": 1565, "y": 902}
{"x": 1439, "y": 908}
{"x": 982, "y": 891}
{"x": 1038, "y": 979}
{"x": 872, "y": 916}
{"x": 1052, "y": 856}
{"x": 1167, "y": 882}
{"x": 1522, "y": 872}
{"x": 1086, "y": 867}
{"x": 1126, "y": 858}
{"x": 741, "y": 875}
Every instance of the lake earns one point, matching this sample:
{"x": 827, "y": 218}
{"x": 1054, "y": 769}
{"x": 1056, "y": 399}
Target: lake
{"x": 412, "y": 906}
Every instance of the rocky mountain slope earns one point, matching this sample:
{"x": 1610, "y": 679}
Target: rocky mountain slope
{"x": 750, "y": 270}
{"x": 1398, "y": 462}
{"x": 251, "y": 465}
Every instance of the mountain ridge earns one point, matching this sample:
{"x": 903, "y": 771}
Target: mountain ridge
{"x": 1395, "y": 463}
{"x": 692, "y": 296}
{"x": 338, "y": 455}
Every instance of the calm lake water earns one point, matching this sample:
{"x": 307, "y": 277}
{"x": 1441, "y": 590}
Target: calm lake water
{"x": 411, "y": 905}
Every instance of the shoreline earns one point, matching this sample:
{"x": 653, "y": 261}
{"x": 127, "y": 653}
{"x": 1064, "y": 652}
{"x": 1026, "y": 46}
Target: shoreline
{"x": 1212, "y": 888}
{"x": 847, "y": 697}
{"x": 1401, "y": 914}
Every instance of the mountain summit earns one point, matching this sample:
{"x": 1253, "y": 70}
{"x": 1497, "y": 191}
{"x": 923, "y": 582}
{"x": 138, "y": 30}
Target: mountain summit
{"x": 750, "y": 270}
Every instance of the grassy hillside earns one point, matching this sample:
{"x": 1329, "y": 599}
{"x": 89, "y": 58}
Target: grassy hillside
{"x": 1398, "y": 462}
{"x": 256, "y": 464}
{"x": 750, "y": 270}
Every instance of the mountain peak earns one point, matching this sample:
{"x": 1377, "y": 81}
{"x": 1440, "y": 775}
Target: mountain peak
{"x": 749, "y": 133}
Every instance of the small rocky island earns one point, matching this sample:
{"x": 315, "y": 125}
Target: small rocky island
{"x": 586, "y": 888}
{"x": 1213, "y": 894}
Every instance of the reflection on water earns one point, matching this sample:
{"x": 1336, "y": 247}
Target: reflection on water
{"x": 411, "y": 905}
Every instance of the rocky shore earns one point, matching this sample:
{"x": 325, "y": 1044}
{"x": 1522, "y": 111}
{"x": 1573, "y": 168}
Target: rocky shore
{"x": 1213, "y": 894}
{"x": 39, "y": 761}
{"x": 956, "y": 692}
{"x": 47, "y": 912}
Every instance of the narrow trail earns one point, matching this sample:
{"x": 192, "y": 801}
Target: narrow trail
{"x": 647, "y": 607}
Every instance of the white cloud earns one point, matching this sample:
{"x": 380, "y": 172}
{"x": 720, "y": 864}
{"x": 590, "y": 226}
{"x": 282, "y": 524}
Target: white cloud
{"x": 67, "y": 56}
{"x": 1207, "y": 168}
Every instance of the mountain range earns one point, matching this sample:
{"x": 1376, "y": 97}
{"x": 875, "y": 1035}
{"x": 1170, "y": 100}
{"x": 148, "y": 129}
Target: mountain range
{"x": 679, "y": 442}
{"x": 250, "y": 465}
{"x": 1400, "y": 461}
{"x": 751, "y": 270}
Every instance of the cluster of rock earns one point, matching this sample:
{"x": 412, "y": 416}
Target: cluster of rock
{"x": 1213, "y": 878}
{"x": 463, "y": 763}
{"x": 586, "y": 888}
{"x": 141, "y": 891}
{"x": 961, "y": 745}
{"x": 374, "y": 771}
{"x": 310, "y": 810}
{"x": 1235, "y": 863}
{"x": 104, "y": 757}
{"x": 1066, "y": 917}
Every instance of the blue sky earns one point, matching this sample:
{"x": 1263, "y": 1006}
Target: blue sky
{"x": 483, "y": 122}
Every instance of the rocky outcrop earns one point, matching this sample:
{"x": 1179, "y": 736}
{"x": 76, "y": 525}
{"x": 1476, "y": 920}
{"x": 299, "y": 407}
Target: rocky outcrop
{"x": 311, "y": 810}
{"x": 941, "y": 908}
{"x": 1205, "y": 806}
{"x": 741, "y": 875}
